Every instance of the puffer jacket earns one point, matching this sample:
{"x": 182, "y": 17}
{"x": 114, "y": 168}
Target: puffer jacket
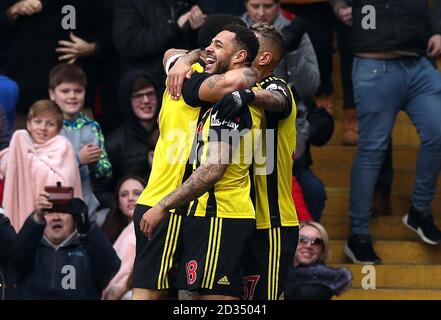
{"x": 317, "y": 282}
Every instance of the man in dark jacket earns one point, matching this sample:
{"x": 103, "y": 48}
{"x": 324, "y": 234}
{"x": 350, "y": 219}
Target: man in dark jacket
{"x": 54, "y": 31}
{"x": 8, "y": 245}
{"x": 391, "y": 39}
{"x": 144, "y": 29}
{"x": 130, "y": 147}
{"x": 61, "y": 255}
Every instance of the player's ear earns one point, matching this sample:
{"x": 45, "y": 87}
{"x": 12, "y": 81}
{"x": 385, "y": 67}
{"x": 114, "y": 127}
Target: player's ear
{"x": 241, "y": 56}
{"x": 265, "y": 58}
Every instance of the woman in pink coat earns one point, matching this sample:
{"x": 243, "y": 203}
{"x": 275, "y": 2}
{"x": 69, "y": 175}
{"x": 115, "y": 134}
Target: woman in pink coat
{"x": 128, "y": 191}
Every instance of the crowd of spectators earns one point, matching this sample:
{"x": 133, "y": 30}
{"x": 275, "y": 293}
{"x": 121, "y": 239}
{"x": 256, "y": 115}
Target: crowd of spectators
{"x": 58, "y": 57}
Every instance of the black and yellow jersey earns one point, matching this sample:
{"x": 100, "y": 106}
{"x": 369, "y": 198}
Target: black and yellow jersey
{"x": 272, "y": 172}
{"x": 230, "y": 197}
{"x": 171, "y": 165}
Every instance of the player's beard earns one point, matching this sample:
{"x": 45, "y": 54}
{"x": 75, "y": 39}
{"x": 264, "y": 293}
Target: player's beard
{"x": 223, "y": 65}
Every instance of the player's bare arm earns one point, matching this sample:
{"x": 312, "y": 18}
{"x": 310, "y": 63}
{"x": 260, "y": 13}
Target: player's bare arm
{"x": 172, "y": 52}
{"x": 181, "y": 69}
{"x": 204, "y": 178}
{"x": 215, "y": 87}
{"x": 233, "y": 102}
{"x": 272, "y": 101}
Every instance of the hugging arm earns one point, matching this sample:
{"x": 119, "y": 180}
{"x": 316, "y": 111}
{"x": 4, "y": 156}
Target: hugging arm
{"x": 204, "y": 178}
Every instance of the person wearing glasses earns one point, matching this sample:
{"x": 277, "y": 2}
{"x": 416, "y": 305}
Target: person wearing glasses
{"x": 310, "y": 278}
{"x": 130, "y": 147}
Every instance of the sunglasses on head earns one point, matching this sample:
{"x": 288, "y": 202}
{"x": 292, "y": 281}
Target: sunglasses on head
{"x": 315, "y": 242}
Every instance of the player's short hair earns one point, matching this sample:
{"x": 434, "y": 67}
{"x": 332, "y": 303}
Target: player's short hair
{"x": 272, "y": 37}
{"x": 215, "y": 24}
{"x": 245, "y": 39}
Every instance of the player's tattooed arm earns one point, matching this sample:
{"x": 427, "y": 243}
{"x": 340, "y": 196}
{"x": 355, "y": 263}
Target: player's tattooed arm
{"x": 199, "y": 182}
{"x": 272, "y": 101}
{"x": 190, "y": 57}
{"x": 215, "y": 87}
{"x": 170, "y": 53}
{"x": 250, "y": 76}
{"x": 216, "y": 81}
{"x": 204, "y": 178}
{"x": 180, "y": 71}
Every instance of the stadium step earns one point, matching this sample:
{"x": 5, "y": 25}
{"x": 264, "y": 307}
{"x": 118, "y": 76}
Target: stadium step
{"x": 419, "y": 277}
{"x": 390, "y": 294}
{"x": 410, "y": 268}
{"x": 427, "y": 277}
{"x": 381, "y": 228}
{"x": 340, "y": 157}
{"x": 340, "y": 178}
{"x": 337, "y": 202}
{"x": 393, "y": 252}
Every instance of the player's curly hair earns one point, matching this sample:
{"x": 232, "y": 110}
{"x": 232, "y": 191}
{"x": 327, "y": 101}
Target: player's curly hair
{"x": 215, "y": 24}
{"x": 246, "y": 40}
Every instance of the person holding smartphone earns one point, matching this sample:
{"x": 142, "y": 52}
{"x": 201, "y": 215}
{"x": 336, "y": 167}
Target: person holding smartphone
{"x": 61, "y": 255}
{"x": 8, "y": 241}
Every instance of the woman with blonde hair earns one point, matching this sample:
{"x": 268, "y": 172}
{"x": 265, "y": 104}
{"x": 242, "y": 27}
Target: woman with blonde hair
{"x": 310, "y": 278}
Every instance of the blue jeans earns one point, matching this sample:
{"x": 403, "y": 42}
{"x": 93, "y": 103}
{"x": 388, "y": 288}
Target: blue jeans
{"x": 386, "y": 175}
{"x": 381, "y": 89}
